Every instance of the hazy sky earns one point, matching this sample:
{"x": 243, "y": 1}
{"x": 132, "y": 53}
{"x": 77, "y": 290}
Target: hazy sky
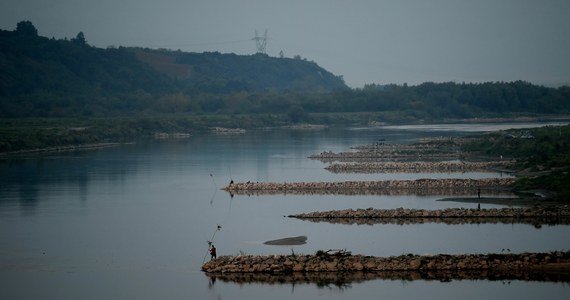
{"x": 382, "y": 41}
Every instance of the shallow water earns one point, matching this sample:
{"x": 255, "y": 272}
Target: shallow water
{"x": 133, "y": 221}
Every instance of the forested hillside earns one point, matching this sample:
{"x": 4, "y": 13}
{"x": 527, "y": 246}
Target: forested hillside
{"x": 41, "y": 77}
{"x": 216, "y": 73}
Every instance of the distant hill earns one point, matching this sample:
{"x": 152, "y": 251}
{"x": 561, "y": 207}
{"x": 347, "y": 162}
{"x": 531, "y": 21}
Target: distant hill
{"x": 48, "y": 77}
{"x": 214, "y": 72}
{"x": 41, "y": 77}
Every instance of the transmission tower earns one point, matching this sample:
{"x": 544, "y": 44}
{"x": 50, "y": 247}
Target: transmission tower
{"x": 260, "y": 42}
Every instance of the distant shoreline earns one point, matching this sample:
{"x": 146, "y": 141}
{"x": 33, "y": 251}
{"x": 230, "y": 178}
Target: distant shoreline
{"x": 61, "y": 149}
{"x": 39, "y": 135}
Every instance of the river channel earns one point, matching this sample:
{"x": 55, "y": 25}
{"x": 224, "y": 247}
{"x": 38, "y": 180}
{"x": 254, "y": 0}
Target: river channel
{"x": 133, "y": 221}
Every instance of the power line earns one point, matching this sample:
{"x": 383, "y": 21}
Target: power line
{"x": 201, "y": 44}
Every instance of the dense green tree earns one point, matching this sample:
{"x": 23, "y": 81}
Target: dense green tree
{"x": 80, "y": 39}
{"x": 26, "y": 28}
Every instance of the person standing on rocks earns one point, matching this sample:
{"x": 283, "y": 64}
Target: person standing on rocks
{"x": 213, "y": 254}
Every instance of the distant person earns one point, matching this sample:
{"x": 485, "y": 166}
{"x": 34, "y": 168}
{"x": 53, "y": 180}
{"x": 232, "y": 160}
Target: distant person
{"x": 479, "y": 193}
{"x": 213, "y": 254}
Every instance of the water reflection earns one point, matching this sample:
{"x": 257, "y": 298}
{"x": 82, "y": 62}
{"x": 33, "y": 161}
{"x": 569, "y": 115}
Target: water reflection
{"x": 377, "y": 192}
{"x": 344, "y": 280}
{"x": 536, "y": 222}
{"x": 28, "y": 180}
{"x": 289, "y": 241}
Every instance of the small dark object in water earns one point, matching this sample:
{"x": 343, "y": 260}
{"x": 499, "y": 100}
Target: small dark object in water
{"x": 296, "y": 240}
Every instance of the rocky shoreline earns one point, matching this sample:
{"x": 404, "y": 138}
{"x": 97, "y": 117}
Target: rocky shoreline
{"x": 402, "y": 213}
{"x": 536, "y": 222}
{"x": 419, "y": 186}
{"x": 536, "y": 216}
{"x": 342, "y": 261}
{"x": 416, "y": 167}
{"x": 440, "y": 149}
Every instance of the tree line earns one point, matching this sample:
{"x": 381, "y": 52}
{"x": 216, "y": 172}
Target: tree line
{"x": 42, "y": 77}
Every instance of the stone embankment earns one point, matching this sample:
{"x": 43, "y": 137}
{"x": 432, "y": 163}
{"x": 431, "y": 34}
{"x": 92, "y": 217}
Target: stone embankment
{"x": 340, "y": 262}
{"x": 172, "y": 136}
{"x": 414, "y": 167}
{"x": 381, "y": 151}
{"x": 364, "y": 156}
{"x": 531, "y": 212}
{"x": 227, "y": 131}
{"x": 419, "y": 186}
{"x": 532, "y": 215}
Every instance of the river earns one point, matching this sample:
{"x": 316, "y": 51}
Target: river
{"x": 133, "y": 221}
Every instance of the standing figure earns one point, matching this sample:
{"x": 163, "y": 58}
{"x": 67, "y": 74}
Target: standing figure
{"x": 212, "y": 252}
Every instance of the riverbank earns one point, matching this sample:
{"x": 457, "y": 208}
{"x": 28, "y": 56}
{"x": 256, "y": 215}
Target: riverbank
{"x": 342, "y": 261}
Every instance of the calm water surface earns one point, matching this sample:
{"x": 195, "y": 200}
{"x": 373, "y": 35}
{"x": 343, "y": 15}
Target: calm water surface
{"x": 133, "y": 221}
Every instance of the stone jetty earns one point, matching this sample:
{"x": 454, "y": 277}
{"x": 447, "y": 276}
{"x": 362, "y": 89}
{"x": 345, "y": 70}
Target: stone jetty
{"x": 381, "y": 151}
{"x": 342, "y": 261}
{"x": 530, "y": 212}
{"x": 536, "y": 216}
{"x": 419, "y": 186}
{"x": 414, "y": 167}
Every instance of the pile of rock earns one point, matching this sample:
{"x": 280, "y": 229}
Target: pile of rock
{"x": 176, "y": 135}
{"x": 534, "y": 216}
{"x": 392, "y": 151}
{"x": 324, "y": 262}
{"x": 223, "y": 130}
{"x": 407, "y": 185}
{"x": 462, "y": 213}
{"x": 537, "y": 222}
{"x": 431, "y": 167}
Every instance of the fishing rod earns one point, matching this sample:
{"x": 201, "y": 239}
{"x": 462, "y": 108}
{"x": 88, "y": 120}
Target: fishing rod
{"x": 218, "y": 228}
{"x": 215, "y": 185}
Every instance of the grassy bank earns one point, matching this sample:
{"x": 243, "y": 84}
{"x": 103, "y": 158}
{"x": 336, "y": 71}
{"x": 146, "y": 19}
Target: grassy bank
{"x": 542, "y": 156}
{"x": 37, "y": 133}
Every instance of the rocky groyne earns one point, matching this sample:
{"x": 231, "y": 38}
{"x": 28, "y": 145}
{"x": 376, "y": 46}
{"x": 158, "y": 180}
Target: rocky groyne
{"x": 529, "y": 212}
{"x": 382, "y": 151}
{"x": 416, "y": 167}
{"x": 345, "y": 262}
{"x": 536, "y": 216}
{"x": 536, "y": 222}
{"x": 419, "y": 186}
{"x": 364, "y": 156}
